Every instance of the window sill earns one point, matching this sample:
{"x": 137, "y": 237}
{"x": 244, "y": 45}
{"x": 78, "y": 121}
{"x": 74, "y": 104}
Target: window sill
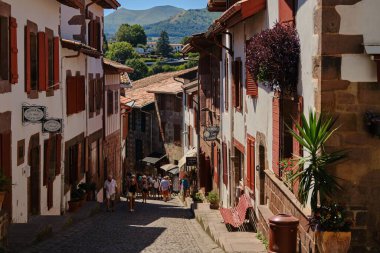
{"x": 33, "y": 94}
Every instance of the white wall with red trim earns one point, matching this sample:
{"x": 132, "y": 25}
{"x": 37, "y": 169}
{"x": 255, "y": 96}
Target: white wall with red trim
{"x": 46, "y": 15}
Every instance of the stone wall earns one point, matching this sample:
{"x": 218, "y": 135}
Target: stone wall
{"x": 349, "y": 100}
{"x": 281, "y": 200}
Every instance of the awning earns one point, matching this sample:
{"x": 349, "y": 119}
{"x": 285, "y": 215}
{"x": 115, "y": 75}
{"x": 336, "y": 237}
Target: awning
{"x": 174, "y": 171}
{"x": 153, "y": 159}
{"x": 168, "y": 167}
{"x": 190, "y": 153}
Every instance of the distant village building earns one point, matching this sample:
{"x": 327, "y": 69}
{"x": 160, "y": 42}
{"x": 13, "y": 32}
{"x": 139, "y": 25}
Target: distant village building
{"x": 152, "y": 46}
{"x": 154, "y": 132}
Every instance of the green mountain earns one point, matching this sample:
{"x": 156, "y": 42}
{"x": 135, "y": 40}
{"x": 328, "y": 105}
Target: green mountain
{"x": 183, "y": 24}
{"x": 121, "y": 16}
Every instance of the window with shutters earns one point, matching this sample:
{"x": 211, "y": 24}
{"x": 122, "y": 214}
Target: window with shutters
{"x": 75, "y": 96}
{"x": 251, "y": 162}
{"x": 50, "y": 57}
{"x": 109, "y": 102}
{"x": 116, "y": 101}
{"x": 8, "y": 48}
{"x": 94, "y": 34}
{"x": 287, "y": 9}
{"x": 4, "y": 46}
{"x": 31, "y": 55}
{"x": 143, "y": 121}
{"x": 52, "y": 153}
{"x": 250, "y": 83}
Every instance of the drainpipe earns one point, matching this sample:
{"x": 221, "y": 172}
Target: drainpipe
{"x": 151, "y": 128}
{"x": 232, "y": 123}
{"x": 62, "y": 204}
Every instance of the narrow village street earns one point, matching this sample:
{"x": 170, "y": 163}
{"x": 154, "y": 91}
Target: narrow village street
{"x": 156, "y": 226}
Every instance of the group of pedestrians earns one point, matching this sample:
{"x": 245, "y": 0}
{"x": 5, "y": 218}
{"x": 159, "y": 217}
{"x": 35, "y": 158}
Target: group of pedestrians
{"x": 154, "y": 187}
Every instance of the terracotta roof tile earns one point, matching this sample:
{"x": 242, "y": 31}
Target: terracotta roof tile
{"x": 141, "y": 91}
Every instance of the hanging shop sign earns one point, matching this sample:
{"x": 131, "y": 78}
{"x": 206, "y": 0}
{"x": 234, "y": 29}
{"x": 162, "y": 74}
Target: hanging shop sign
{"x": 211, "y": 133}
{"x": 33, "y": 114}
{"x": 191, "y": 161}
{"x": 52, "y": 126}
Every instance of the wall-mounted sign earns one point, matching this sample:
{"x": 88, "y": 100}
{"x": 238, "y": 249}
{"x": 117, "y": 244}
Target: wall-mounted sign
{"x": 191, "y": 161}
{"x": 211, "y": 133}
{"x": 33, "y": 114}
{"x": 52, "y": 126}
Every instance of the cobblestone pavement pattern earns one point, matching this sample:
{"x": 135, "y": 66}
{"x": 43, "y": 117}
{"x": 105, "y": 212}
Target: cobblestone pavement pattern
{"x": 154, "y": 227}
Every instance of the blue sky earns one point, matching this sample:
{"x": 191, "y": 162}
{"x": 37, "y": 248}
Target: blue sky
{"x": 146, "y": 4}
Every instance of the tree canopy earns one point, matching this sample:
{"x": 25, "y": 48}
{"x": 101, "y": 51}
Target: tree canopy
{"x": 163, "y": 45}
{"x": 133, "y": 34}
{"x": 141, "y": 69}
{"x": 120, "y": 52}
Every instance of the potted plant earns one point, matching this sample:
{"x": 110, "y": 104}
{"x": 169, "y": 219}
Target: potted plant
{"x": 315, "y": 181}
{"x": 4, "y": 185}
{"x": 89, "y": 189}
{"x": 76, "y": 198}
{"x": 287, "y": 171}
{"x": 332, "y": 228}
{"x": 213, "y": 198}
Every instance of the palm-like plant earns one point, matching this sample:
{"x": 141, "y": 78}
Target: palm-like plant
{"x": 314, "y": 179}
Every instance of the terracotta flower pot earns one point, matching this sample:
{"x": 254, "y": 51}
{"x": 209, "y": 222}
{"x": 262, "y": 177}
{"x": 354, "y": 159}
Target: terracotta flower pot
{"x": 214, "y": 205}
{"x": 74, "y": 205}
{"x": 333, "y": 242}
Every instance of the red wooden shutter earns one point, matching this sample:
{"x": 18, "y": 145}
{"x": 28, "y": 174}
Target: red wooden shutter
{"x": 81, "y": 94}
{"x": 225, "y": 164}
{"x": 13, "y": 50}
{"x": 248, "y": 180}
{"x": 90, "y": 32}
{"x": 41, "y": 62}
{"x": 56, "y": 63}
{"x": 276, "y": 135}
{"x": 28, "y": 77}
{"x": 251, "y": 84}
{"x": 71, "y": 96}
{"x": 46, "y": 161}
{"x": 252, "y": 155}
{"x": 58, "y": 154}
{"x": 286, "y": 10}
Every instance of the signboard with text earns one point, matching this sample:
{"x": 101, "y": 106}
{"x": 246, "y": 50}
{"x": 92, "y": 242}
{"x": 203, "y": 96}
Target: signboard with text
{"x": 33, "y": 114}
{"x": 52, "y": 126}
{"x": 191, "y": 161}
{"x": 211, "y": 133}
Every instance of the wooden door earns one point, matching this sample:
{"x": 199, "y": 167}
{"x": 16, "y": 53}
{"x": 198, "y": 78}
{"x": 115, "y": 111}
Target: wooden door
{"x": 34, "y": 197}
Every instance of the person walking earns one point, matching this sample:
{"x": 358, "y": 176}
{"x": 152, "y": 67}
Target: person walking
{"x": 133, "y": 188}
{"x": 156, "y": 186}
{"x": 165, "y": 185}
{"x": 145, "y": 188}
{"x": 110, "y": 186}
{"x": 185, "y": 186}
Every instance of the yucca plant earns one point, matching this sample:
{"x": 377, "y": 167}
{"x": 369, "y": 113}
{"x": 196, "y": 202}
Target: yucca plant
{"x": 314, "y": 179}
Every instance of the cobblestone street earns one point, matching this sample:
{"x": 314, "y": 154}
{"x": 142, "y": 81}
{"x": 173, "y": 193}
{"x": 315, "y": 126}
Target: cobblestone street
{"x": 154, "y": 227}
